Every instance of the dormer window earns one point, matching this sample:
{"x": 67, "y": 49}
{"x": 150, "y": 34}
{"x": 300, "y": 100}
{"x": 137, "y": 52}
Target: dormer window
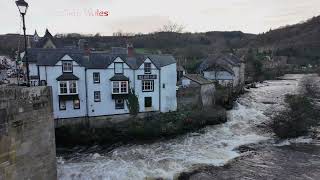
{"x": 147, "y": 68}
{"x": 118, "y": 68}
{"x": 67, "y": 66}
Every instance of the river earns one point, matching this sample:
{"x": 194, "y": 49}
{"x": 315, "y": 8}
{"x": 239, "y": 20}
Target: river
{"x": 214, "y": 145}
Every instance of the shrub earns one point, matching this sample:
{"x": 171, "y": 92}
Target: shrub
{"x": 296, "y": 121}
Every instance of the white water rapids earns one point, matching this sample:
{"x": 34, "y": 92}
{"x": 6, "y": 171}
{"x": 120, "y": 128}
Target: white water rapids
{"x": 215, "y": 146}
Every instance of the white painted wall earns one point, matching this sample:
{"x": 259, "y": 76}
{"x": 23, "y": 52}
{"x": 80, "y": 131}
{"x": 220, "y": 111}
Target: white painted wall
{"x": 166, "y": 89}
{"x": 141, "y": 95}
{"x": 33, "y": 69}
{"x": 168, "y": 94}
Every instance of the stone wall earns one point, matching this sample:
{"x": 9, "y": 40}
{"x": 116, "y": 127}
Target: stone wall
{"x": 188, "y": 98}
{"x": 27, "y": 139}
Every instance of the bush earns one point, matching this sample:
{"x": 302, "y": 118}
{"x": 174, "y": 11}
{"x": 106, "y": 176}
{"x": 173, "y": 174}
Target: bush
{"x": 296, "y": 121}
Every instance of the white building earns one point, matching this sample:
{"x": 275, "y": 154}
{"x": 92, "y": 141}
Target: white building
{"x": 226, "y": 69}
{"x": 92, "y": 84}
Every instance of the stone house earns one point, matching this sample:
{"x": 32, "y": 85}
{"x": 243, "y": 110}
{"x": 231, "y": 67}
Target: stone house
{"x": 195, "y": 89}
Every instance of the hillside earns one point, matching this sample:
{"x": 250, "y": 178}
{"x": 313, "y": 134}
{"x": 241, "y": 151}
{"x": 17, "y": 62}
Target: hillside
{"x": 301, "y": 42}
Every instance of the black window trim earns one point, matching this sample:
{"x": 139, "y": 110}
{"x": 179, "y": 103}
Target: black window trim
{"x": 63, "y": 61}
{"x": 145, "y": 102}
{"x": 94, "y": 94}
{"x": 60, "y": 105}
{"x": 96, "y": 82}
{"x": 147, "y": 90}
{"x": 145, "y": 67}
{"x": 79, "y": 104}
{"x": 115, "y": 104}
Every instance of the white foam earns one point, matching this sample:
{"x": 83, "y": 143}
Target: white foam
{"x": 164, "y": 159}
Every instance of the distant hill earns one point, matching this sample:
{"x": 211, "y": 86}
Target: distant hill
{"x": 301, "y": 42}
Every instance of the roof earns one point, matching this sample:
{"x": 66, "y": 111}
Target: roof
{"x": 119, "y": 77}
{"x": 198, "y": 78}
{"x": 94, "y": 60}
{"x": 67, "y": 76}
{"x": 221, "y": 62}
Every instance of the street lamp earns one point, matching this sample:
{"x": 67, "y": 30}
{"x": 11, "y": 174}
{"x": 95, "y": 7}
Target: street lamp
{"x": 23, "y": 7}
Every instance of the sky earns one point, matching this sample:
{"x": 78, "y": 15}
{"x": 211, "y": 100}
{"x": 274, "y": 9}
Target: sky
{"x": 144, "y": 16}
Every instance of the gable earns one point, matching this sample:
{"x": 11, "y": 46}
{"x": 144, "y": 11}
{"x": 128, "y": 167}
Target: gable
{"x": 148, "y": 60}
{"x": 49, "y": 44}
{"x": 119, "y": 60}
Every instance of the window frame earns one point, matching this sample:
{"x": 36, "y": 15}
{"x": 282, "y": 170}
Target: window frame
{"x": 143, "y": 86}
{"x": 115, "y": 68}
{"x": 63, "y": 66}
{"x": 68, "y": 87}
{"x": 115, "y": 104}
{"x": 119, "y": 87}
{"x": 147, "y": 70}
{"x": 94, "y": 96}
{"x": 96, "y": 81}
{"x": 74, "y": 107}
{"x": 65, "y": 105}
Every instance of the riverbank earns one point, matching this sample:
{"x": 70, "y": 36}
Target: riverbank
{"x": 292, "y": 161}
{"x": 140, "y": 129}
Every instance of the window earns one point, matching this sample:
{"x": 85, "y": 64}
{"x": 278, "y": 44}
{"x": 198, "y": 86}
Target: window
{"x": 43, "y": 83}
{"x": 147, "y": 101}
{"x": 72, "y": 87}
{"x": 63, "y": 87}
{"x": 76, "y": 104}
{"x": 67, "y": 66}
{"x": 147, "y": 86}
{"x": 119, "y": 104}
{"x": 147, "y": 68}
{"x": 97, "y": 96}
{"x": 96, "y": 77}
{"x": 62, "y": 105}
{"x": 118, "y": 68}
{"x": 120, "y": 87}
{"x": 33, "y": 82}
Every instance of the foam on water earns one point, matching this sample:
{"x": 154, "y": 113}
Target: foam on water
{"x": 165, "y": 159}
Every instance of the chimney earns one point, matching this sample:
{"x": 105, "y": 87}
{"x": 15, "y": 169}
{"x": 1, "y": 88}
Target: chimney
{"x": 130, "y": 49}
{"x": 83, "y": 45}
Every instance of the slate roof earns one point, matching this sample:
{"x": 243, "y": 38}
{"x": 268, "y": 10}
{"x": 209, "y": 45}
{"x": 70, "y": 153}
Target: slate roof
{"x": 94, "y": 60}
{"x": 119, "y": 77}
{"x": 220, "y": 62}
{"x": 67, "y": 76}
{"x": 198, "y": 78}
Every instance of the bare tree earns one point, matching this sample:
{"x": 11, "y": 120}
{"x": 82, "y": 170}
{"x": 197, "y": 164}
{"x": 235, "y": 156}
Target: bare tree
{"x": 172, "y": 27}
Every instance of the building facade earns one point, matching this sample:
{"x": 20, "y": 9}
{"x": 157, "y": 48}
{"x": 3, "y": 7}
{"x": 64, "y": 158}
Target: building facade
{"x": 226, "y": 69}
{"x": 89, "y": 84}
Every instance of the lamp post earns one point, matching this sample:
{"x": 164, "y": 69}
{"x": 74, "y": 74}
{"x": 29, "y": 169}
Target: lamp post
{"x": 23, "y": 7}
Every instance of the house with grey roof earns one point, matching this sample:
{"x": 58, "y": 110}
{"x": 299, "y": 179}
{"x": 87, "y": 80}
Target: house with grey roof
{"x": 226, "y": 69}
{"x": 89, "y": 84}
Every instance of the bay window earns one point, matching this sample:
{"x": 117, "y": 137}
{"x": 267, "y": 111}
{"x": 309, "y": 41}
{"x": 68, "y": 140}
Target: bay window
{"x": 63, "y": 87}
{"x": 120, "y": 87}
{"x": 68, "y": 87}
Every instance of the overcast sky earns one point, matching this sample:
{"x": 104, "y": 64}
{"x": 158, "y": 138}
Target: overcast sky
{"x": 65, "y": 16}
